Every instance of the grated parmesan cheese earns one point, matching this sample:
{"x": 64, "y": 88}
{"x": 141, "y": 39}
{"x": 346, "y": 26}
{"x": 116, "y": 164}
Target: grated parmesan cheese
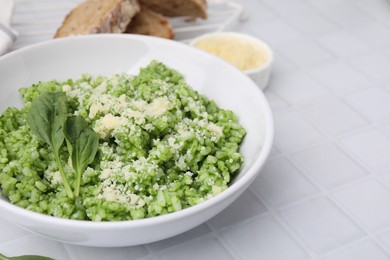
{"x": 214, "y": 128}
{"x": 106, "y": 124}
{"x": 66, "y": 88}
{"x": 95, "y": 109}
{"x": 110, "y": 122}
{"x": 111, "y": 194}
{"x": 158, "y": 107}
{"x": 56, "y": 177}
{"x": 242, "y": 53}
{"x": 105, "y": 174}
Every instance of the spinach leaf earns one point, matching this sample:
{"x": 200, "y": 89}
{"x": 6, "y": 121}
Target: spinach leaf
{"x": 25, "y": 257}
{"x": 82, "y": 144}
{"x": 46, "y": 119}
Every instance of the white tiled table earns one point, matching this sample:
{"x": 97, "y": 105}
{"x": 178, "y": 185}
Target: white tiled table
{"x": 325, "y": 191}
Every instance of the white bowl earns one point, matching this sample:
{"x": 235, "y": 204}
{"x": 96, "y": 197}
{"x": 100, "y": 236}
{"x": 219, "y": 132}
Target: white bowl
{"x": 108, "y": 54}
{"x": 260, "y": 75}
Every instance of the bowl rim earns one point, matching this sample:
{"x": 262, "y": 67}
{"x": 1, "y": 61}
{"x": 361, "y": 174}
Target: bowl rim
{"x": 251, "y": 38}
{"x": 156, "y": 220}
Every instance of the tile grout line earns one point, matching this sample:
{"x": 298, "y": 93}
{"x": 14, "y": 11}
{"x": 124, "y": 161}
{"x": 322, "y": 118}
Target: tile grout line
{"x": 329, "y": 195}
{"x": 215, "y": 232}
{"x": 335, "y": 21}
{"x": 290, "y": 231}
{"x": 67, "y": 250}
{"x": 348, "y": 244}
{"x": 295, "y": 233}
{"x": 329, "y": 137}
{"x": 150, "y": 251}
{"x": 380, "y": 21}
{"x": 370, "y": 234}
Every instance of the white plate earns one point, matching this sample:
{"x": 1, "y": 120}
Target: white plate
{"x": 108, "y": 54}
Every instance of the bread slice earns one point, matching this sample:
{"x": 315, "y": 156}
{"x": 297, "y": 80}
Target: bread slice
{"x": 151, "y": 23}
{"x": 98, "y": 16}
{"x": 172, "y": 8}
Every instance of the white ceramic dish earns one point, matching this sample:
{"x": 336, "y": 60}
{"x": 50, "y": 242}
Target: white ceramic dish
{"x": 108, "y": 54}
{"x": 260, "y": 75}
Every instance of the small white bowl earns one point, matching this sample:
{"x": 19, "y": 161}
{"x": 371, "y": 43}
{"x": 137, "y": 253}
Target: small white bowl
{"x": 259, "y": 75}
{"x": 108, "y": 54}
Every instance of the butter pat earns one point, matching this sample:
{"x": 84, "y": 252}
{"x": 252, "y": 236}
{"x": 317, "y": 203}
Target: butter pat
{"x": 249, "y": 54}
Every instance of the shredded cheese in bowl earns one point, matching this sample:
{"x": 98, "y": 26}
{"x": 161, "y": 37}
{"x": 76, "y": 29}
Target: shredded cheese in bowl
{"x": 242, "y": 52}
{"x": 249, "y": 54}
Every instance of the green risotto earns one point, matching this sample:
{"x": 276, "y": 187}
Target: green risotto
{"x": 118, "y": 148}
